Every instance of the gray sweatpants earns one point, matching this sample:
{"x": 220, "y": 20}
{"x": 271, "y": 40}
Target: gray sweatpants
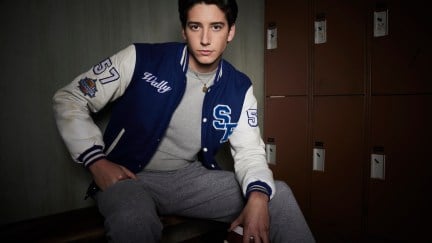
{"x": 132, "y": 207}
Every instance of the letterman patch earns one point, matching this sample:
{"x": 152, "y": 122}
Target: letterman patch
{"x": 222, "y": 116}
{"x": 88, "y": 87}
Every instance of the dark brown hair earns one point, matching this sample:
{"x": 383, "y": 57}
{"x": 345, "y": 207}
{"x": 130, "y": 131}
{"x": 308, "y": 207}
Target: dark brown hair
{"x": 229, "y": 7}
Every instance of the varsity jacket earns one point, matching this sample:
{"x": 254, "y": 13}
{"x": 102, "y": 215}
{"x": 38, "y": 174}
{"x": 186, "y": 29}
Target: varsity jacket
{"x": 146, "y": 82}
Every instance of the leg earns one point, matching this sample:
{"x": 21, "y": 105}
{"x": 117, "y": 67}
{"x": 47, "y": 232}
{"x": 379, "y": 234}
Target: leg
{"x": 196, "y": 192}
{"x": 130, "y": 213}
{"x": 218, "y": 197}
{"x": 287, "y": 221}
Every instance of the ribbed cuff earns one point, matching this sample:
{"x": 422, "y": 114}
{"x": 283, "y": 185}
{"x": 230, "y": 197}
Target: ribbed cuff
{"x": 260, "y": 187}
{"x": 91, "y": 155}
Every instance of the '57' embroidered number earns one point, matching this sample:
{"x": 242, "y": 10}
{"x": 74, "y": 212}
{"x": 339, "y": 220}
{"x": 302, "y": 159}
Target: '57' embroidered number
{"x": 104, "y": 65}
{"x": 252, "y": 117}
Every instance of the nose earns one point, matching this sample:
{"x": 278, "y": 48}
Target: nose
{"x": 205, "y": 37}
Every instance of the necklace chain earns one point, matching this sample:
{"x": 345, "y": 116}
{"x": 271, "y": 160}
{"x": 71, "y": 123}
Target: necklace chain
{"x": 204, "y": 88}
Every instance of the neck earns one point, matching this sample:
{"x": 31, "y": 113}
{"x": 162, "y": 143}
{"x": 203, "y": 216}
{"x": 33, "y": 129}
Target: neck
{"x": 200, "y": 73}
{"x": 205, "y": 79}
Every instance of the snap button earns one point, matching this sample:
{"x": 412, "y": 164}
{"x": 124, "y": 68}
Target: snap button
{"x": 204, "y": 120}
{"x": 205, "y": 149}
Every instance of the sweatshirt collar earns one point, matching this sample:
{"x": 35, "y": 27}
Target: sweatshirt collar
{"x": 184, "y": 62}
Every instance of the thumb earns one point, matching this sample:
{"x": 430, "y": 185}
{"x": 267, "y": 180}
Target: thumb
{"x": 128, "y": 173}
{"x": 235, "y": 223}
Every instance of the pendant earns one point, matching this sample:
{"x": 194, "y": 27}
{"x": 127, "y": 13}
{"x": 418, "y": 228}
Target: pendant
{"x": 204, "y": 89}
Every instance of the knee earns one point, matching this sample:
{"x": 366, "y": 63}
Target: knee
{"x": 133, "y": 225}
{"x": 283, "y": 189}
{"x": 130, "y": 214}
{"x": 283, "y": 196}
{"x": 133, "y": 216}
{"x": 283, "y": 204}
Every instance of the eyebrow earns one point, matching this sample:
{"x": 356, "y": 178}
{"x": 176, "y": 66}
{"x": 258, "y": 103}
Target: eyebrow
{"x": 213, "y": 23}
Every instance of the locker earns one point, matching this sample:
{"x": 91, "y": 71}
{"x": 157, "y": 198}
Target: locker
{"x": 286, "y": 122}
{"x": 286, "y": 67}
{"x": 339, "y": 63}
{"x": 336, "y": 192}
{"x": 400, "y": 61}
{"x": 361, "y": 94}
{"x": 399, "y": 207}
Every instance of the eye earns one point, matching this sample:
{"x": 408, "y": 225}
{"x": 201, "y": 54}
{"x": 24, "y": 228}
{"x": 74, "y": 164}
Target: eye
{"x": 194, "y": 27}
{"x": 217, "y": 27}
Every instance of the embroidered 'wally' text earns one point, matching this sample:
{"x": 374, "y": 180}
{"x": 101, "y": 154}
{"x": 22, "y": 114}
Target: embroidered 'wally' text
{"x": 161, "y": 86}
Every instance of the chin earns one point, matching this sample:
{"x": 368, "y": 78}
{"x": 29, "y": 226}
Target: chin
{"x": 207, "y": 61}
{"x": 205, "y": 64}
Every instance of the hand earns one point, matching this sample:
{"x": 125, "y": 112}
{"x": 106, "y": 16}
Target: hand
{"x": 106, "y": 173}
{"x": 255, "y": 219}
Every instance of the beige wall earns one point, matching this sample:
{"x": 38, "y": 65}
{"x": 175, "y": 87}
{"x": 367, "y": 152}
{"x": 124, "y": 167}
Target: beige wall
{"x": 44, "y": 45}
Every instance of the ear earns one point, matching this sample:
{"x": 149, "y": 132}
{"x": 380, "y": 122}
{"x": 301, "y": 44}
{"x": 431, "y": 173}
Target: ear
{"x": 184, "y": 34}
{"x": 231, "y": 33}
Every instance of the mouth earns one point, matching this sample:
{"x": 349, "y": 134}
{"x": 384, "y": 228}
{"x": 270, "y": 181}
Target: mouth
{"x": 205, "y": 52}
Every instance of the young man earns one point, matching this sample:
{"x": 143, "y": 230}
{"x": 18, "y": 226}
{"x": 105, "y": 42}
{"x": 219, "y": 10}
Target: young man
{"x": 175, "y": 105}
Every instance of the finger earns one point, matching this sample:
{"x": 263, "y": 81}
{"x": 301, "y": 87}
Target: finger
{"x": 264, "y": 234}
{"x": 246, "y": 239}
{"x": 128, "y": 173}
{"x": 265, "y": 238}
{"x": 101, "y": 184}
{"x": 234, "y": 224}
{"x": 257, "y": 239}
{"x": 251, "y": 239}
{"x": 248, "y": 236}
{"x": 121, "y": 176}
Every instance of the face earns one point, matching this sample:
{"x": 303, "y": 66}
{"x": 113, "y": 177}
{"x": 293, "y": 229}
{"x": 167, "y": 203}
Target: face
{"x": 207, "y": 34}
